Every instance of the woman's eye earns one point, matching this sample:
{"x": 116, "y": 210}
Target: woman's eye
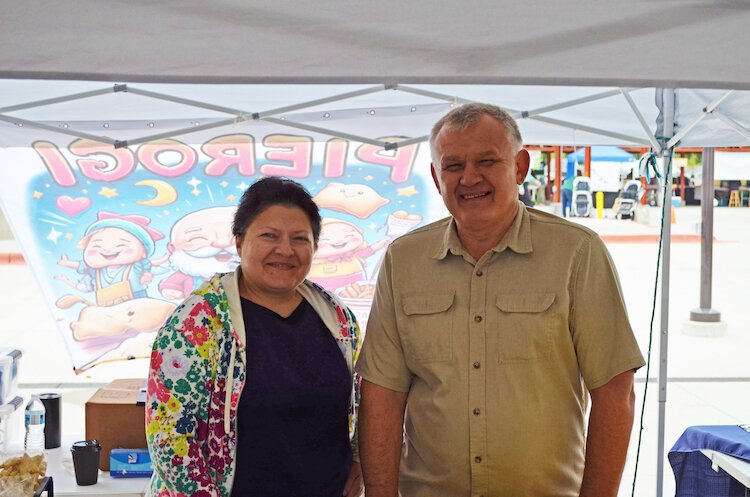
{"x": 268, "y": 235}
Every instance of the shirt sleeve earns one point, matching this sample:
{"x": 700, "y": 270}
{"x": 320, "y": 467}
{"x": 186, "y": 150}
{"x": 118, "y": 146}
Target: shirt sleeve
{"x": 179, "y": 385}
{"x": 382, "y": 358}
{"x": 603, "y": 338}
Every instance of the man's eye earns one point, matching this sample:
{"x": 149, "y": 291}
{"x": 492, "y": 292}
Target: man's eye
{"x": 452, "y": 167}
{"x": 487, "y": 162}
{"x": 268, "y": 235}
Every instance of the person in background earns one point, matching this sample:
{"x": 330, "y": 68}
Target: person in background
{"x": 490, "y": 332}
{"x": 251, "y": 388}
{"x": 527, "y": 189}
{"x": 566, "y": 192}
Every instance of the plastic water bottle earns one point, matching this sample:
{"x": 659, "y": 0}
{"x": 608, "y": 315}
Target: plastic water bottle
{"x": 35, "y": 414}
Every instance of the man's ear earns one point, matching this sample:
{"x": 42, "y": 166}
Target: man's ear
{"x": 434, "y": 178}
{"x": 522, "y": 165}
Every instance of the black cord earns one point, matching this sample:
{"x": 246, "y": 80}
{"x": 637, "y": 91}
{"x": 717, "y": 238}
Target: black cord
{"x": 653, "y": 313}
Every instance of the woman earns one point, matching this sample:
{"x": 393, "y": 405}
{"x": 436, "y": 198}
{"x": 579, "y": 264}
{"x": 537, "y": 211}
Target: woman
{"x": 251, "y": 390}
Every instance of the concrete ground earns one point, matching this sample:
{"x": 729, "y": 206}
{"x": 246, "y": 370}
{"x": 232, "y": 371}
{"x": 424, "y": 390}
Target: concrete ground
{"x": 708, "y": 376}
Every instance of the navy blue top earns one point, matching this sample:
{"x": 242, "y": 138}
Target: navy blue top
{"x": 292, "y": 418}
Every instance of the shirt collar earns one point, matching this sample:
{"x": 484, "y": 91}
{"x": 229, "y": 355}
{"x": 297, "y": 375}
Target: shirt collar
{"x": 517, "y": 238}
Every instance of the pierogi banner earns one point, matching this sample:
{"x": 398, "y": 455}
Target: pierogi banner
{"x": 118, "y": 237}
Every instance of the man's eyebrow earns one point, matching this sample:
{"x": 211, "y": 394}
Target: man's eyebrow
{"x": 448, "y": 158}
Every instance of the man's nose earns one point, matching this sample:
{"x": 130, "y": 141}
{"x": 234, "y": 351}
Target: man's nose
{"x": 471, "y": 175}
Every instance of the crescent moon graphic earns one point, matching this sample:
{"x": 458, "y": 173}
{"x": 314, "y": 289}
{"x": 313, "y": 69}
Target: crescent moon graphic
{"x": 165, "y": 193}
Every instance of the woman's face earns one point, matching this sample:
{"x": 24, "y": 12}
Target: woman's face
{"x": 276, "y": 251}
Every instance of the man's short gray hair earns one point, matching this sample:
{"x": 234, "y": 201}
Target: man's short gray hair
{"x": 468, "y": 114}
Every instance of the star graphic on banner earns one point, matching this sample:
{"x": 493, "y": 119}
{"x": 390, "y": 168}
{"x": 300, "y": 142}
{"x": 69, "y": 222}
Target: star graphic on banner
{"x": 242, "y": 186}
{"x": 372, "y": 226}
{"x": 108, "y": 192}
{"x": 68, "y": 236}
{"x": 369, "y": 178}
{"x": 194, "y": 182}
{"x": 223, "y": 184}
{"x": 407, "y": 191}
{"x": 84, "y": 191}
{"x": 53, "y": 235}
{"x": 195, "y": 191}
{"x": 165, "y": 212}
{"x": 231, "y": 198}
{"x": 37, "y": 195}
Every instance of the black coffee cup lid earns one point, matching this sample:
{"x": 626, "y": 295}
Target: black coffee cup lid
{"x": 86, "y": 444}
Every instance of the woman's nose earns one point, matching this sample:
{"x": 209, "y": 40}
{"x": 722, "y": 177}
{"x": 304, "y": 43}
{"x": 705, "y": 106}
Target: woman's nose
{"x": 284, "y": 246}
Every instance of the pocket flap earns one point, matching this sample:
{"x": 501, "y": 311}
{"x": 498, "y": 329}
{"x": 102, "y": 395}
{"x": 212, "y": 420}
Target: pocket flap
{"x": 428, "y": 304}
{"x": 525, "y": 302}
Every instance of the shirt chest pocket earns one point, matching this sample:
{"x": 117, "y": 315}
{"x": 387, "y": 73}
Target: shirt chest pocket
{"x": 428, "y": 327}
{"x": 523, "y": 323}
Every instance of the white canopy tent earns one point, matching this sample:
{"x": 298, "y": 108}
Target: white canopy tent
{"x": 131, "y": 72}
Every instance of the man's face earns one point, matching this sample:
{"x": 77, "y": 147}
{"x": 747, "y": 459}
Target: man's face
{"x": 477, "y": 172}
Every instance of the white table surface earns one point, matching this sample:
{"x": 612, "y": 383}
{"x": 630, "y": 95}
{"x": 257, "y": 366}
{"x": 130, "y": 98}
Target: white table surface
{"x": 739, "y": 469}
{"x": 60, "y": 468}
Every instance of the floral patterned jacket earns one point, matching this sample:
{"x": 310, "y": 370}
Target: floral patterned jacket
{"x": 196, "y": 377}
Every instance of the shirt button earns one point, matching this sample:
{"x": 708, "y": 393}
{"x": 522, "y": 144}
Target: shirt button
{"x": 477, "y": 459}
{"x": 480, "y": 273}
{"x": 476, "y": 412}
{"x": 478, "y": 318}
{"x": 476, "y": 365}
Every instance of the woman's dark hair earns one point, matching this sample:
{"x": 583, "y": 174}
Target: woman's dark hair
{"x": 274, "y": 191}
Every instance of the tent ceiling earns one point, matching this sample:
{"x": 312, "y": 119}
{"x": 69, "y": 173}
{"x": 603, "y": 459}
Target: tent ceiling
{"x": 279, "y": 59}
{"x": 666, "y": 43}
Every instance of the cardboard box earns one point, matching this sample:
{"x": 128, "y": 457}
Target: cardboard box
{"x": 115, "y": 416}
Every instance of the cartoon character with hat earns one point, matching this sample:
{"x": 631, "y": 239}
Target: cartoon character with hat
{"x": 116, "y": 249}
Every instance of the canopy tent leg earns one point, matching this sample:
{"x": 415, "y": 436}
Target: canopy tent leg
{"x": 667, "y": 108}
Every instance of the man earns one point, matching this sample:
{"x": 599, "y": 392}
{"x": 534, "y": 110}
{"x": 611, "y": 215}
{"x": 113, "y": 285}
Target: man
{"x": 201, "y": 245}
{"x": 494, "y": 326}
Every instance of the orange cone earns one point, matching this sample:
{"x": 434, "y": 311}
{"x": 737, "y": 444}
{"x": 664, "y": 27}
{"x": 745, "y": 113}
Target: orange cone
{"x": 674, "y": 215}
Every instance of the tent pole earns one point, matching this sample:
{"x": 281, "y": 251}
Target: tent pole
{"x": 668, "y": 113}
{"x": 705, "y": 313}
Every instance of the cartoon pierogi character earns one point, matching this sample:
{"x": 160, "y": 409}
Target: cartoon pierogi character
{"x": 341, "y": 254}
{"x": 115, "y": 257}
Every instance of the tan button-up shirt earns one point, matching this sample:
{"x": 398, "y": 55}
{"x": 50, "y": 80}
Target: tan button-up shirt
{"x": 496, "y": 355}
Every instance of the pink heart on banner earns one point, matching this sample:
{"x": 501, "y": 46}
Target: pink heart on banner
{"x": 73, "y": 206}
